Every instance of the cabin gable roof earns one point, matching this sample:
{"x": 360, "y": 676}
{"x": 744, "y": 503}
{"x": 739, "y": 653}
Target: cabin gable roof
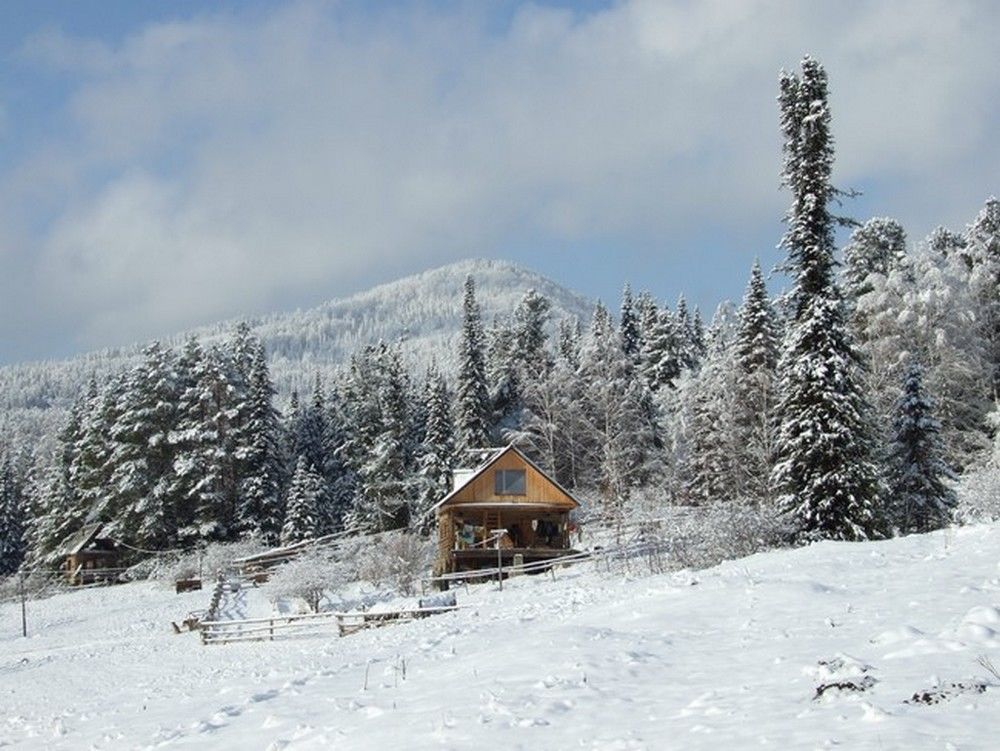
{"x": 77, "y": 541}
{"x": 465, "y": 492}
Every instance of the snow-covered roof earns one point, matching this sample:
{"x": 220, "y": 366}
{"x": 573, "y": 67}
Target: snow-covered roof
{"x": 80, "y": 539}
{"x": 489, "y": 462}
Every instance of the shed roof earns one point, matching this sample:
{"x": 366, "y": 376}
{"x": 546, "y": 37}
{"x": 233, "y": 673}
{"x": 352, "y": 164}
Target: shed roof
{"x": 493, "y": 459}
{"x": 80, "y": 539}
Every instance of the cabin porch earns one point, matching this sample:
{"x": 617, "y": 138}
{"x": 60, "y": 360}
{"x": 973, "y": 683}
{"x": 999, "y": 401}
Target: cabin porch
{"x": 531, "y": 531}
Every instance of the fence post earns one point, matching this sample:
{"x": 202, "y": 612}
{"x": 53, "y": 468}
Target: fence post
{"x": 499, "y": 533}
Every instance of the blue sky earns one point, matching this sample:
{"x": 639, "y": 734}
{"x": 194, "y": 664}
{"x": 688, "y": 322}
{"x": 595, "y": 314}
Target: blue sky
{"x": 165, "y": 164}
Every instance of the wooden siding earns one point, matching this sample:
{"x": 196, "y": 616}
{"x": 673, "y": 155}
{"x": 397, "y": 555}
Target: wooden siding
{"x": 540, "y": 490}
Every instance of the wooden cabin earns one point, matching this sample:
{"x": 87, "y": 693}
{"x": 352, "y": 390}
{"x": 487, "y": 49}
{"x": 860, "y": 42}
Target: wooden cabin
{"x": 508, "y": 492}
{"x": 90, "y": 557}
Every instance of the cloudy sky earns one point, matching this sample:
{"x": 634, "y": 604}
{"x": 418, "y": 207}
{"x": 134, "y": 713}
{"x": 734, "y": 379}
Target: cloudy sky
{"x": 169, "y": 164}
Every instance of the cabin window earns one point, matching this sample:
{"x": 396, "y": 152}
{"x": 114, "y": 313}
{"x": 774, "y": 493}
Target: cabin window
{"x": 510, "y": 482}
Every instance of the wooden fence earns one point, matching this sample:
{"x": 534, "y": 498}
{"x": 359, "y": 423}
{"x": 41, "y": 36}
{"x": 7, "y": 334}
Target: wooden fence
{"x": 655, "y": 552}
{"x": 282, "y": 626}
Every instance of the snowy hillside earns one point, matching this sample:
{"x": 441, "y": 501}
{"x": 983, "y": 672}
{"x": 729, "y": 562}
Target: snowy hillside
{"x": 728, "y": 658}
{"x": 424, "y": 310}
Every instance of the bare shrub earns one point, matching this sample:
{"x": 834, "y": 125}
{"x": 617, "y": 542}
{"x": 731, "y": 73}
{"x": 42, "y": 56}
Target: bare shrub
{"x": 397, "y": 560}
{"x": 674, "y": 537}
{"x": 37, "y": 585}
{"x": 979, "y": 496}
{"x": 207, "y": 562}
{"x": 309, "y": 576}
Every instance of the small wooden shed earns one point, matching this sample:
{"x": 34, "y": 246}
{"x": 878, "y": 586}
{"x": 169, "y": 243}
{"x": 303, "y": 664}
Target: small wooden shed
{"x": 508, "y": 492}
{"x": 89, "y": 556}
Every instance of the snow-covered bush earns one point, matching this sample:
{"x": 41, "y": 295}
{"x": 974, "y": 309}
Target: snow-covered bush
{"x": 206, "y": 563}
{"x": 672, "y": 537}
{"x": 979, "y": 496}
{"x": 37, "y": 584}
{"x": 723, "y": 531}
{"x": 397, "y": 560}
{"x": 309, "y": 577}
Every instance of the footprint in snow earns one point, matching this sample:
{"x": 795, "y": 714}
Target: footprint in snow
{"x": 895, "y": 635}
{"x": 224, "y": 714}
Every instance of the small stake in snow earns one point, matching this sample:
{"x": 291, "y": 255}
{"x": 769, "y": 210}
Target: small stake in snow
{"x": 24, "y": 611}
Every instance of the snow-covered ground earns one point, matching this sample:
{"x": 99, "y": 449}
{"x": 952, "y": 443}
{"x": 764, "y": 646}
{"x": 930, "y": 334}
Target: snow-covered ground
{"x": 719, "y": 659}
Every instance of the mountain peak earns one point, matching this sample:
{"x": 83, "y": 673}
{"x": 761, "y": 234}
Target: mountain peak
{"x": 423, "y": 312}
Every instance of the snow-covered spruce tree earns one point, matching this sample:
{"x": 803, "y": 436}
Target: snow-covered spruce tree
{"x": 203, "y": 463}
{"x": 241, "y": 347}
{"x": 301, "y": 513}
{"x": 646, "y": 313}
{"x": 943, "y": 243}
{"x": 436, "y": 452}
{"x": 473, "y": 406}
{"x": 12, "y": 519}
{"x": 569, "y": 342}
{"x": 58, "y": 508}
{"x": 550, "y": 431}
{"x": 384, "y": 450}
{"x": 982, "y": 251}
{"x": 140, "y": 506}
{"x": 628, "y": 326}
{"x": 192, "y": 441}
{"x": 686, "y": 330}
{"x": 711, "y": 469}
{"x": 261, "y": 512}
{"x": 699, "y": 342}
{"x": 517, "y": 355}
{"x": 315, "y": 438}
{"x": 48, "y": 496}
{"x": 876, "y": 247}
{"x": 307, "y": 428}
{"x": 827, "y": 474}
{"x": 340, "y": 476}
{"x": 756, "y": 352}
{"x": 925, "y": 310}
{"x": 921, "y": 499}
{"x": 550, "y": 411}
{"x": 614, "y": 427}
{"x": 530, "y": 320}
{"x": 665, "y": 350}
{"x": 503, "y": 376}
{"x": 89, "y": 457}
{"x": 237, "y": 366}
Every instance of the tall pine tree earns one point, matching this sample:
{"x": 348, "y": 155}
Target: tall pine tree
{"x": 261, "y": 511}
{"x": 473, "y": 395}
{"x": 436, "y": 450}
{"x": 827, "y": 473}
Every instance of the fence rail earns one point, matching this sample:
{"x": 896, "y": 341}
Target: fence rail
{"x": 280, "y": 626}
{"x": 607, "y": 555}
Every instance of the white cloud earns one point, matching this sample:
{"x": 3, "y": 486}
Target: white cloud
{"x": 232, "y": 163}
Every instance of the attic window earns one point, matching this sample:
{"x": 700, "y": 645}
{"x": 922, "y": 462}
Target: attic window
{"x": 510, "y": 482}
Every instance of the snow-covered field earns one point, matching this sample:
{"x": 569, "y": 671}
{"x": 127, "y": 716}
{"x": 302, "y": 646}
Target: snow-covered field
{"x": 719, "y": 659}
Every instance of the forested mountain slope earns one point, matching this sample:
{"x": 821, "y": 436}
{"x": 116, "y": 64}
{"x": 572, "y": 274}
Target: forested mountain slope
{"x": 424, "y": 311}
